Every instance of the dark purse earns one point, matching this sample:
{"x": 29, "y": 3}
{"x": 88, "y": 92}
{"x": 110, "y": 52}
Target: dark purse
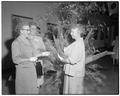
{"x": 39, "y": 69}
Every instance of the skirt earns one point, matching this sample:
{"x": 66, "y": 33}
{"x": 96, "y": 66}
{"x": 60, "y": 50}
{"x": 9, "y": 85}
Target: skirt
{"x": 73, "y": 85}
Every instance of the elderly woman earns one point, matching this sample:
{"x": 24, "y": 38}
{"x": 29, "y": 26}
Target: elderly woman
{"x": 22, "y": 55}
{"x": 75, "y": 62}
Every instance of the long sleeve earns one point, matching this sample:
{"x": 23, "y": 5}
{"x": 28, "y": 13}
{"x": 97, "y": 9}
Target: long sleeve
{"x": 16, "y": 53}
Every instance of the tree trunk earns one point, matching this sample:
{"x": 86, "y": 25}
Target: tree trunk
{"x": 97, "y": 56}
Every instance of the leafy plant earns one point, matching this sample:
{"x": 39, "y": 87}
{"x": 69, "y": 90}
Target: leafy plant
{"x": 69, "y": 13}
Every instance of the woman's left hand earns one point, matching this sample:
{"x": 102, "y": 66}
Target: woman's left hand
{"x": 33, "y": 59}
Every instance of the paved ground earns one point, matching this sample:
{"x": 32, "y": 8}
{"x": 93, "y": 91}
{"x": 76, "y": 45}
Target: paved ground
{"x": 112, "y": 76}
{"x": 110, "y": 71}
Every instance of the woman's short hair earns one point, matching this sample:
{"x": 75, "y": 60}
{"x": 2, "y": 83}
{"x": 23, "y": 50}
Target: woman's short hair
{"x": 79, "y": 26}
{"x": 19, "y": 26}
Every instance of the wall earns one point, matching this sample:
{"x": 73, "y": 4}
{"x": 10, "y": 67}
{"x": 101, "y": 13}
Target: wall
{"x": 28, "y": 9}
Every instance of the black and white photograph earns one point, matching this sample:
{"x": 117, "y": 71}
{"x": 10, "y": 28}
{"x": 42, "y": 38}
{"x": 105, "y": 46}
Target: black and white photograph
{"x": 60, "y": 47}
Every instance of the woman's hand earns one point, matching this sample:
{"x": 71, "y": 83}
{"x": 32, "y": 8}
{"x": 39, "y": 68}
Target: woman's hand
{"x": 45, "y": 53}
{"x": 33, "y": 59}
{"x": 66, "y": 59}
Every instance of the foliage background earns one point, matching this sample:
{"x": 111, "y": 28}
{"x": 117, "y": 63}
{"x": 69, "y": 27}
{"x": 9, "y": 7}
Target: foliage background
{"x": 93, "y": 15}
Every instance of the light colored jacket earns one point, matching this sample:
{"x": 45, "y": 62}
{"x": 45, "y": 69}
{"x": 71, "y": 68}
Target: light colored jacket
{"x": 76, "y": 55}
{"x": 26, "y": 77}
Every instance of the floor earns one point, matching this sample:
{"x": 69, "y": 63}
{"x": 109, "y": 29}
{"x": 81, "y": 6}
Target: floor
{"x": 112, "y": 77}
{"x": 111, "y": 82}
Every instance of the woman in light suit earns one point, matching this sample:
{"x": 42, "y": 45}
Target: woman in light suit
{"x": 22, "y": 55}
{"x": 75, "y": 62}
